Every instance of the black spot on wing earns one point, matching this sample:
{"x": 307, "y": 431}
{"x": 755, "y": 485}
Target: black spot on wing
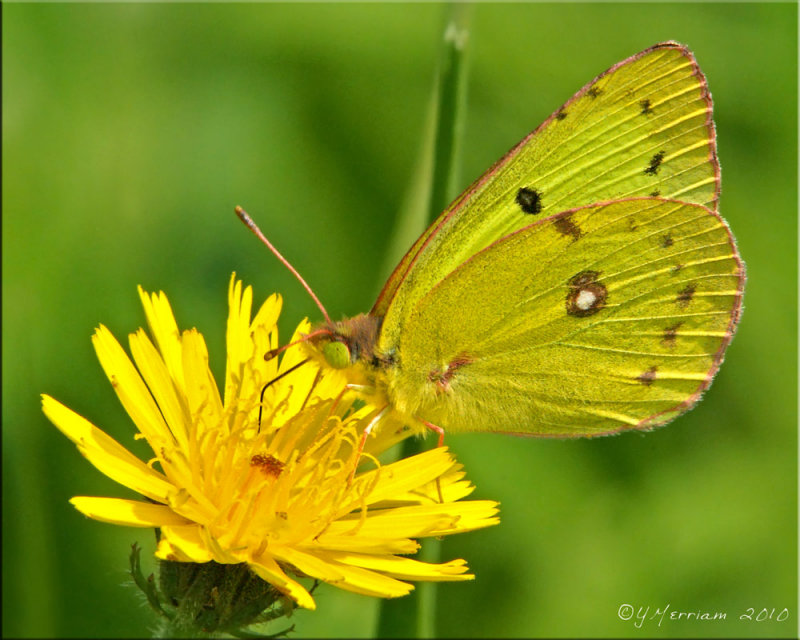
{"x": 529, "y": 200}
{"x": 655, "y": 193}
{"x": 594, "y": 91}
{"x": 567, "y": 227}
{"x": 667, "y": 241}
{"x": 646, "y": 107}
{"x": 670, "y": 335}
{"x": 561, "y": 114}
{"x": 655, "y": 163}
{"x": 686, "y": 294}
{"x": 647, "y": 377}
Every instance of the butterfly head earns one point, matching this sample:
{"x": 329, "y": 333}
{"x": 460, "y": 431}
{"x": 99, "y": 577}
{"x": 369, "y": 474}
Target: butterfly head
{"x": 347, "y": 342}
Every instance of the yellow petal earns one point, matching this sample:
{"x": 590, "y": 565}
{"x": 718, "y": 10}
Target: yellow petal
{"x": 264, "y": 337}
{"x": 402, "y": 476}
{"x": 162, "y": 386}
{"x": 162, "y": 325}
{"x": 129, "y": 386}
{"x": 269, "y": 570}
{"x": 130, "y": 513}
{"x": 299, "y": 385}
{"x": 201, "y": 388}
{"x": 105, "y": 453}
{"x": 366, "y": 544}
{"x": 420, "y": 520}
{"x": 404, "y": 568}
{"x": 238, "y": 342}
{"x": 268, "y": 313}
{"x": 308, "y": 563}
{"x": 370, "y": 583}
{"x": 184, "y": 543}
{"x": 453, "y": 487}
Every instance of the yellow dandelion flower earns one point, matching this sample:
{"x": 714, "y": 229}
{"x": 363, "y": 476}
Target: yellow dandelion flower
{"x": 261, "y": 474}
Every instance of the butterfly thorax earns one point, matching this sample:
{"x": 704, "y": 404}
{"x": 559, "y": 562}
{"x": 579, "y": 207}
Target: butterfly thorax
{"x": 352, "y": 346}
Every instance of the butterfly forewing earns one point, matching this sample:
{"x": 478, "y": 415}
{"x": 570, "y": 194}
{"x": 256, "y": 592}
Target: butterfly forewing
{"x": 609, "y": 317}
{"x": 642, "y": 128}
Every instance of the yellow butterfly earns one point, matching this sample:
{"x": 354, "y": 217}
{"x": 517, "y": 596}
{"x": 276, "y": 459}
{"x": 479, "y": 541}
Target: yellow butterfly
{"x": 582, "y": 286}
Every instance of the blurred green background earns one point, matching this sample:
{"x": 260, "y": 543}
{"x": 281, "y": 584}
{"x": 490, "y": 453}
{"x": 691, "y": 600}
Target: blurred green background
{"x": 131, "y": 131}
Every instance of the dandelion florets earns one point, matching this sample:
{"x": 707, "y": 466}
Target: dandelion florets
{"x": 261, "y": 474}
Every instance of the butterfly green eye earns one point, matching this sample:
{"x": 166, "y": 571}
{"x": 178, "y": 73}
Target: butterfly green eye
{"x": 337, "y": 354}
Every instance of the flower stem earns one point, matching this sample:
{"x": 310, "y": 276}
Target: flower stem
{"x": 414, "y": 615}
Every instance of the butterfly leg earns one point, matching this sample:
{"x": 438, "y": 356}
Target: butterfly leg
{"x": 365, "y": 389}
{"x": 332, "y": 410}
{"x": 364, "y": 437}
{"x": 440, "y": 431}
{"x": 435, "y": 428}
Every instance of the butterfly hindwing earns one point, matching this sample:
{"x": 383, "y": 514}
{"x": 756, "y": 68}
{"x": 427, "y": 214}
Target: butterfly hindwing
{"x": 608, "y": 317}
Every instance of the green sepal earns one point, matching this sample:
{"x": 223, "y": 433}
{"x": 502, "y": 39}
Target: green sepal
{"x": 146, "y": 585}
{"x": 207, "y": 599}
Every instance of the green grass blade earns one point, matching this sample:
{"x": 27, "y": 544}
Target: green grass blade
{"x": 414, "y": 616}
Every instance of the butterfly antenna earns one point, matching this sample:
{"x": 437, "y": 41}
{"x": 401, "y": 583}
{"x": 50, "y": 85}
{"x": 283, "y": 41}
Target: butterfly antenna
{"x": 306, "y": 337}
{"x": 270, "y": 383}
{"x": 244, "y": 217}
